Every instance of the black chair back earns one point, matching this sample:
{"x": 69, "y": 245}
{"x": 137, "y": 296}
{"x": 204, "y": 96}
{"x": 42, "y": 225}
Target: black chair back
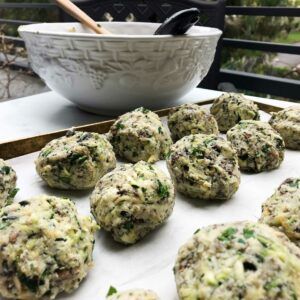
{"x": 213, "y": 14}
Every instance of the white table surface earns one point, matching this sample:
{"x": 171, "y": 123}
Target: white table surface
{"x": 49, "y": 111}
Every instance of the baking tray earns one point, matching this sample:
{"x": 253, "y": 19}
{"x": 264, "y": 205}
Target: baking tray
{"x": 147, "y": 264}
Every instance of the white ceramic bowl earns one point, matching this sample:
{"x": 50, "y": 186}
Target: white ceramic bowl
{"x": 110, "y": 74}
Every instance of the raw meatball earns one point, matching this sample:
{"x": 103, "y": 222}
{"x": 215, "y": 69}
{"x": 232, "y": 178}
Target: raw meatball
{"x": 75, "y": 161}
{"x": 132, "y": 200}
{"x": 230, "y": 108}
{"x": 46, "y": 248}
{"x": 8, "y": 179}
{"x": 282, "y": 209}
{"x": 134, "y": 295}
{"x": 287, "y": 123}
{"x": 204, "y": 167}
{"x": 190, "y": 119}
{"x": 258, "y": 145}
{"x": 140, "y": 135}
{"x": 238, "y": 261}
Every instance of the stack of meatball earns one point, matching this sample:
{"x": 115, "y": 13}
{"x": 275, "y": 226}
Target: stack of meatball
{"x": 46, "y": 246}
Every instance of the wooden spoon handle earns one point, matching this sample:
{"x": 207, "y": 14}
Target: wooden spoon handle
{"x": 71, "y": 9}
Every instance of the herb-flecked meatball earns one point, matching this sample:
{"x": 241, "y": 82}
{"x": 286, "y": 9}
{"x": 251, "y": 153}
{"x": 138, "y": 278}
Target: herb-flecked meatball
{"x": 190, "y": 119}
{"x": 46, "y": 248}
{"x": 238, "y": 261}
{"x": 230, "y": 108}
{"x": 75, "y": 161}
{"x": 137, "y": 294}
{"x": 282, "y": 209}
{"x": 132, "y": 200}
{"x": 8, "y": 179}
{"x": 140, "y": 135}
{"x": 287, "y": 123}
{"x": 259, "y": 147}
{"x": 204, "y": 167}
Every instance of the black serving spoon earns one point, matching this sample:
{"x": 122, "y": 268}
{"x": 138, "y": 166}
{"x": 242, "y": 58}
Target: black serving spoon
{"x": 177, "y": 24}
{"x": 180, "y": 22}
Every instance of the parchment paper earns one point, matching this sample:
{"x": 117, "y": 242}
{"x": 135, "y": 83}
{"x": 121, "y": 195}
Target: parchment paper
{"x": 149, "y": 263}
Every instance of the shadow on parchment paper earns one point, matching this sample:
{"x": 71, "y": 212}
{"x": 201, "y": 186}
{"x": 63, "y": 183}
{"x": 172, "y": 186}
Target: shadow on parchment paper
{"x": 107, "y": 241}
{"x": 83, "y": 195}
{"x": 202, "y": 203}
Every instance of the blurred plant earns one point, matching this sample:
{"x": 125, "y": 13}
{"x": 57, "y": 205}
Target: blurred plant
{"x": 259, "y": 28}
{"x": 9, "y": 54}
{"x": 35, "y": 15}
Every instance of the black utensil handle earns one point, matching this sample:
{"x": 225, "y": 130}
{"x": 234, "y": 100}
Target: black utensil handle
{"x": 179, "y": 23}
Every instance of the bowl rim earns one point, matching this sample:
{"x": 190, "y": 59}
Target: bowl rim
{"x": 33, "y": 29}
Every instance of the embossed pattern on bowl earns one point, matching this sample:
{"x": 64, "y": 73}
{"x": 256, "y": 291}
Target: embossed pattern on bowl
{"x": 110, "y": 74}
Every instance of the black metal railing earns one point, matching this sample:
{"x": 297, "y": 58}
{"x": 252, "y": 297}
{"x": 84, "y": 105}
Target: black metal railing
{"x": 275, "y": 86}
{"x": 282, "y": 87}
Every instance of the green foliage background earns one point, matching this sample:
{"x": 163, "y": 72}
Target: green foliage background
{"x": 277, "y": 29}
{"x": 35, "y": 15}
